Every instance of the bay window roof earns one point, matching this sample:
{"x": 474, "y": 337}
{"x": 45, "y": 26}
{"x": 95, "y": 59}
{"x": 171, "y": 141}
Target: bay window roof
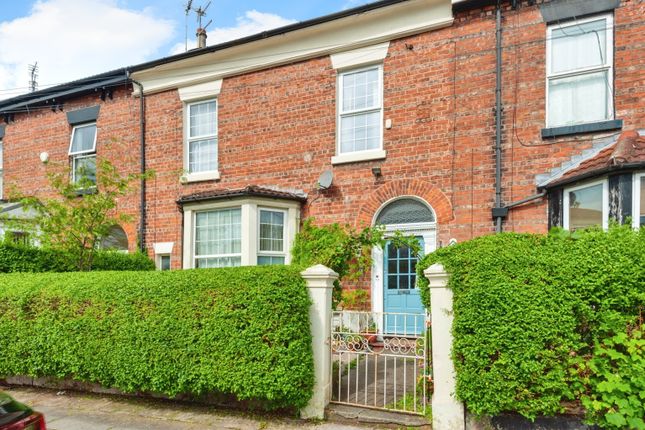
{"x": 248, "y": 191}
{"x": 626, "y": 152}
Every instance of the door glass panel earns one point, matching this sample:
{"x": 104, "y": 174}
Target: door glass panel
{"x": 392, "y": 266}
{"x": 403, "y": 266}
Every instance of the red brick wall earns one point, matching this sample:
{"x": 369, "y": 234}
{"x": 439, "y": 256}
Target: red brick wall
{"x": 277, "y": 128}
{"x": 44, "y": 130}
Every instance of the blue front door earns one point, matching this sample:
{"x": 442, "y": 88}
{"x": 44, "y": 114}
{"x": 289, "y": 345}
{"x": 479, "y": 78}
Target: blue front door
{"x": 400, "y": 294}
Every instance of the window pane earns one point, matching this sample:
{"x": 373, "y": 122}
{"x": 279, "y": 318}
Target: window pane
{"x": 585, "y": 207}
{"x": 216, "y": 233}
{"x": 642, "y": 202}
{"x": 361, "y": 90}
{"x": 164, "y": 262}
{"x": 271, "y": 231}
{"x": 265, "y": 260}
{"x": 203, "y": 119}
{"x": 360, "y": 132}
{"x": 202, "y": 155}
{"x": 207, "y": 263}
{"x": 578, "y": 99}
{"x": 83, "y": 139}
{"x": 84, "y": 167}
{"x": 579, "y": 46}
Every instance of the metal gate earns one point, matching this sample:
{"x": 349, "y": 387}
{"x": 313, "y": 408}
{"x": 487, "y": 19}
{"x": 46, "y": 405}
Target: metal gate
{"x": 381, "y": 360}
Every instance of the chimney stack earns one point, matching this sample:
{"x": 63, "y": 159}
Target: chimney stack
{"x": 201, "y": 38}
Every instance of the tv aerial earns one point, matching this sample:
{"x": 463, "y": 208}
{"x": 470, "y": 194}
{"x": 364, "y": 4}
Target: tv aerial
{"x": 200, "y": 12}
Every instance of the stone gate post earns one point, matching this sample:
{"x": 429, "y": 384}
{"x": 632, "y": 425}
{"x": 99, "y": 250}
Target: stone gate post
{"x": 320, "y": 282}
{"x": 447, "y": 411}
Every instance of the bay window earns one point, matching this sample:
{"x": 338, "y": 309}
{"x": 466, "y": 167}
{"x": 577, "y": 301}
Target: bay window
{"x": 638, "y": 212}
{"x": 271, "y": 237}
{"x": 218, "y": 238}
{"x": 586, "y": 205}
{"x": 239, "y": 232}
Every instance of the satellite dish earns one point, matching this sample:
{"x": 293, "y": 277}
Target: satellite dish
{"x": 325, "y": 180}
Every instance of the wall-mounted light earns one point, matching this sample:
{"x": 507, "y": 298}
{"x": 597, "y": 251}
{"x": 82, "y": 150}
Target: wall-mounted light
{"x": 44, "y": 157}
{"x": 376, "y": 171}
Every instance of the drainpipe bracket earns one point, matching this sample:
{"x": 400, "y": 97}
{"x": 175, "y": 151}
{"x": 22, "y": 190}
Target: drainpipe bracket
{"x": 500, "y": 212}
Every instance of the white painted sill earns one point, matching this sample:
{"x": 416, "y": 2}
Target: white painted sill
{"x": 354, "y": 157}
{"x": 199, "y": 177}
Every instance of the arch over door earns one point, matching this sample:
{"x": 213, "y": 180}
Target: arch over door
{"x": 397, "y": 271}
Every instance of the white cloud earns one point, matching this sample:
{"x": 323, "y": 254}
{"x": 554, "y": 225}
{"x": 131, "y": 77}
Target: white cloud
{"x": 73, "y": 39}
{"x": 252, "y": 22}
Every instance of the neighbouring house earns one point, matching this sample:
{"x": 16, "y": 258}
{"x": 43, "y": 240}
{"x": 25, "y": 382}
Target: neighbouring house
{"x": 446, "y": 120}
{"x": 68, "y": 126}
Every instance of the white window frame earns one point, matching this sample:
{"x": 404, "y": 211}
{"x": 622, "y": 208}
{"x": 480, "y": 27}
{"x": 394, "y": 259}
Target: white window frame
{"x": 193, "y": 244}
{"x": 209, "y": 174}
{"x": 87, "y": 153}
{"x": 71, "y": 141}
{"x": 250, "y": 225}
{"x": 365, "y": 155}
{"x": 636, "y": 198}
{"x": 608, "y": 66}
{"x": 284, "y": 234}
{"x": 605, "y": 201}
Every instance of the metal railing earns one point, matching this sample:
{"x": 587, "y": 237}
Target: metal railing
{"x": 381, "y": 360}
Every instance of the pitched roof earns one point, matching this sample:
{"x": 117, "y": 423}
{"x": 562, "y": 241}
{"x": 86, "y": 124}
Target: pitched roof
{"x": 69, "y": 89}
{"x": 248, "y": 191}
{"x": 628, "y": 151}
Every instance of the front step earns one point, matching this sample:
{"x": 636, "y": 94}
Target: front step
{"x": 381, "y": 418}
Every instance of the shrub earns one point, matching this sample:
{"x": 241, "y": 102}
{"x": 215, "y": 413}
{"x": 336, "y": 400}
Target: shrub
{"x": 21, "y": 258}
{"x": 528, "y": 307}
{"x": 615, "y": 376}
{"x": 240, "y": 331}
{"x": 343, "y": 249}
{"x": 119, "y": 261}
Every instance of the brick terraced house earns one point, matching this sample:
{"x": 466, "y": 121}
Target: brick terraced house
{"x": 446, "y": 120}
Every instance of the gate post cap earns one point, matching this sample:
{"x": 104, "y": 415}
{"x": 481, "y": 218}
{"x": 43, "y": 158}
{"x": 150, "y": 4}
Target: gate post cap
{"x": 434, "y": 270}
{"x": 319, "y": 271}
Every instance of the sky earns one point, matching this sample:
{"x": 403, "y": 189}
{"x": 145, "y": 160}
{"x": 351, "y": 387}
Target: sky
{"x": 72, "y": 39}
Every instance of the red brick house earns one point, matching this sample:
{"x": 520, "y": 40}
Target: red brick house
{"x": 447, "y": 120}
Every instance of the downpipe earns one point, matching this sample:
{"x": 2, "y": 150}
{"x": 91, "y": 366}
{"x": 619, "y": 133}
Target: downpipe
{"x": 142, "y": 127}
{"x": 498, "y": 211}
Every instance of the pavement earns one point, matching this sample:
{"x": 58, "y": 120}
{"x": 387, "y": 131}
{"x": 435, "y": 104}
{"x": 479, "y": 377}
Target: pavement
{"x": 68, "y": 410}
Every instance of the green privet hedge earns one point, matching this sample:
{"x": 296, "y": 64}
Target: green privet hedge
{"x": 237, "y": 331}
{"x": 21, "y": 258}
{"x": 545, "y": 320}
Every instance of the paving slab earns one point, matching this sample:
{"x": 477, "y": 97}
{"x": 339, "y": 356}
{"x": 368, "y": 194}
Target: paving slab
{"x": 68, "y": 410}
{"x": 377, "y": 417}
